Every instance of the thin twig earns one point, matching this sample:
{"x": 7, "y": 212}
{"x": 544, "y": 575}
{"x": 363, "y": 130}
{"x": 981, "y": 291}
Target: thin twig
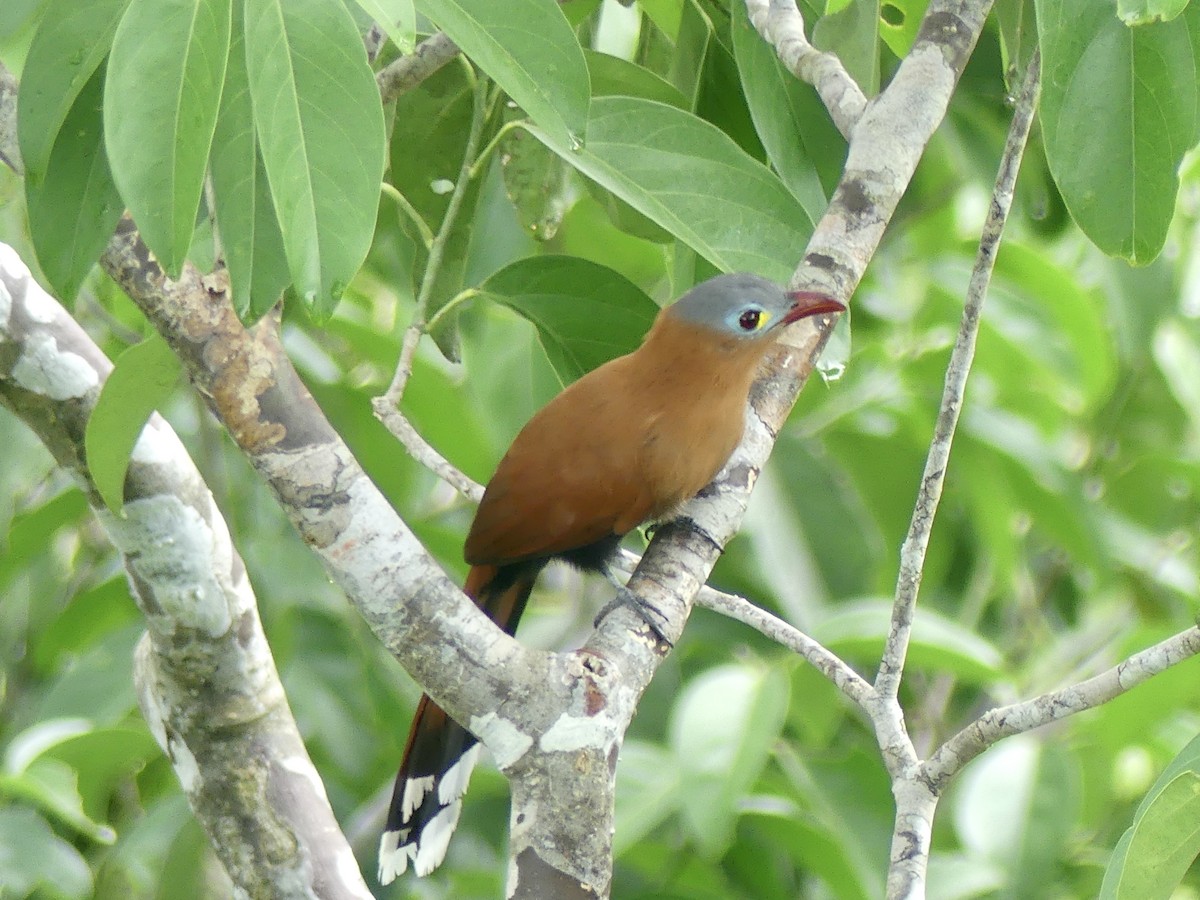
{"x": 424, "y": 453}
{"x": 450, "y": 306}
{"x": 437, "y": 249}
{"x": 912, "y": 554}
{"x": 408, "y": 71}
{"x": 387, "y": 406}
{"x": 1005, "y": 721}
{"x": 504, "y": 131}
{"x": 404, "y": 365}
{"x": 10, "y": 152}
{"x": 931, "y": 714}
{"x": 782, "y": 26}
{"x": 828, "y": 664}
{"x": 767, "y": 624}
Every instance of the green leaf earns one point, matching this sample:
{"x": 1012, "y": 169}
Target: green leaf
{"x": 250, "y": 236}
{"x": 694, "y": 181}
{"x": 787, "y": 115}
{"x": 528, "y": 47}
{"x": 1015, "y": 807}
{"x": 89, "y": 616}
{"x": 585, "y": 313}
{"x": 69, "y": 46}
{"x": 18, "y": 15}
{"x": 95, "y": 683}
{"x": 690, "y": 51}
{"x": 397, "y": 18}
{"x": 853, "y": 34}
{"x": 588, "y": 232}
{"x": 666, "y": 14}
{"x": 426, "y": 153}
{"x": 722, "y": 729}
{"x": 1177, "y": 354}
{"x": 1158, "y": 848}
{"x": 32, "y": 532}
{"x": 900, "y": 20}
{"x": 143, "y": 377}
{"x": 1118, "y": 112}
{"x": 648, "y": 788}
{"x": 960, "y": 876}
{"x": 320, "y": 129}
{"x": 817, "y": 850}
{"x": 613, "y": 76}
{"x": 1017, "y": 23}
{"x": 33, "y": 856}
{"x": 31, "y": 773}
{"x": 938, "y": 644}
{"x": 536, "y": 182}
{"x": 160, "y": 109}
{"x": 859, "y": 832}
{"x": 1072, "y": 365}
{"x": 53, "y": 787}
{"x": 74, "y": 206}
{"x": 104, "y": 759}
{"x": 1143, "y": 12}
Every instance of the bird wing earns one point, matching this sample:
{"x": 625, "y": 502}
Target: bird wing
{"x": 570, "y": 479}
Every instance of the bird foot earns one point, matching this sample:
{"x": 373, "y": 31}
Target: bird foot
{"x": 654, "y": 619}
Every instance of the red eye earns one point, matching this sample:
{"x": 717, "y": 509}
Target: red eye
{"x": 748, "y": 320}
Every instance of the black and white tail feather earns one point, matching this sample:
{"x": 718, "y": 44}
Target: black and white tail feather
{"x": 440, "y": 755}
{"x": 427, "y": 799}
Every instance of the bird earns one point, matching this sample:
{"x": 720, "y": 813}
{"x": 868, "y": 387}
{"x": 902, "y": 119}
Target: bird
{"x": 627, "y": 443}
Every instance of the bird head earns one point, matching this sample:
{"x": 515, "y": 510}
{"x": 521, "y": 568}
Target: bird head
{"x": 747, "y": 307}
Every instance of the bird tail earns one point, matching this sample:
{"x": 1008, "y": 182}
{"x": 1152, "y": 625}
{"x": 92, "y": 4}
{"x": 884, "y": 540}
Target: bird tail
{"x": 440, "y": 753}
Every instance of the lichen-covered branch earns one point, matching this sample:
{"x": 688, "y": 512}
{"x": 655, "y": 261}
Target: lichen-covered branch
{"x": 782, "y": 26}
{"x": 1005, "y": 721}
{"x": 10, "y": 152}
{"x": 467, "y": 664}
{"x": 408, "y": 71}
{"x": 206, "y": 681}
{"x": 887, "y": 144}
{"x": 916, "y": 542}
{"x": 514, "y": 699}
{"x": 828, "y": 664}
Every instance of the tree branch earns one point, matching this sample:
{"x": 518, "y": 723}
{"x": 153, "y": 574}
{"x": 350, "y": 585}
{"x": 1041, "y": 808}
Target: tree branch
{"x": 545, "y": 717}
{"x": 916, "y": 800}
{"x": 10, "y": 152}
{"x": 206, "y": 681}
{"x": 888, "y": 142}
{"x": 781, "y": 25}
{"x": 828, "y": 664}
{"x": 1005, "y": 721}
{"x": 572, "y": 708}
{"x": 250, "y": 385}
{"x": 387, "y": 405}
{"x": 912, "y": 553}
{"x": 407, "y": 72}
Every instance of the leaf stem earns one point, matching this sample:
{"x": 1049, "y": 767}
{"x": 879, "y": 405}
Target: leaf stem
{"x": 504, "y": 131}
{"x": 387, "y": 405}
{"x": 453, "y": 303}
{"x": 437, "y": 248}
{"x": 408, "y": 209}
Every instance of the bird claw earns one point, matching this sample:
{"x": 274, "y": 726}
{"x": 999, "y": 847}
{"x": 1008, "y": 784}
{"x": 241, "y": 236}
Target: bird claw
{"x": 653, "y": 618}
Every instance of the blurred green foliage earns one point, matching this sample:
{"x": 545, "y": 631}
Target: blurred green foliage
{"x": 1066, "y": 539}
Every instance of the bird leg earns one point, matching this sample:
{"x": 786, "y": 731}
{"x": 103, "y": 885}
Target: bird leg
{"x": 653, "y": 618}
